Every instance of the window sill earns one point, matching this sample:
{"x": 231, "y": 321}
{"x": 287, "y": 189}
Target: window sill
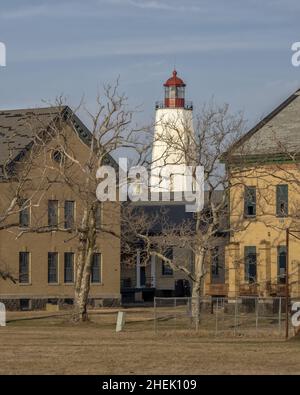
{"x": 97, "y": 283}
{"x": 24, "y": 284}
{"x": 250, "y": 216}
{"x": 55, "y": 284}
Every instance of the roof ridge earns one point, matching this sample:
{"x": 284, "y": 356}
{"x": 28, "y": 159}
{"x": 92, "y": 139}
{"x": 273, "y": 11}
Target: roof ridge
{"x": 262, "y": 122}
{"x": 33, "y": 108}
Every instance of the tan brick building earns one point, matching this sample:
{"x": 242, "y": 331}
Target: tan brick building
{"x": 264, "y": 204}
{"x": 43, "y": 261}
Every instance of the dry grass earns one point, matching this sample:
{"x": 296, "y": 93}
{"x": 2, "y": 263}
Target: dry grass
{"x": 51, "y": 345}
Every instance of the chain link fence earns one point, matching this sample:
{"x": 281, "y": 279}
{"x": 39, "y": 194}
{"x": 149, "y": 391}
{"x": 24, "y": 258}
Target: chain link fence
{"x": 242, "y": 316}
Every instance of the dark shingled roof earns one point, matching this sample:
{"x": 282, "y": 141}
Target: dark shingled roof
{"x": 174, "y": 212}
{"x": 18, "y": 127}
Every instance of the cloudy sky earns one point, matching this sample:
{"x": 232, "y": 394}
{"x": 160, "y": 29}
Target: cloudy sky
{"x": 238, "y": 52}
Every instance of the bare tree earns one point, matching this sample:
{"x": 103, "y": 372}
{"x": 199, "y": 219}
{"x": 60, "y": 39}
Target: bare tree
{"x": 110, "y": 129}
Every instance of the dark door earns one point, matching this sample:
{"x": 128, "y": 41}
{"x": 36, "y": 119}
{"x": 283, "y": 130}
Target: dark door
{"x": 143, "y": 276}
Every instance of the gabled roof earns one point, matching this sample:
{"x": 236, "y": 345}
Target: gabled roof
{"x": 276, "y": 135}
{"x": 18, "y": 128}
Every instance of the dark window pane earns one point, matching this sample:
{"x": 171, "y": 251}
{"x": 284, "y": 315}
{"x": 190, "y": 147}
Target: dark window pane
{"x": 250, "y": 201}
{"x": 166, "y": 269}
{"x": 58, "y": 157}
{"x": 69, "y": 214}
{"x": 170, "y": 92}
{"x": 215, "y": 264}
{"x": 52, "y": 212}
{"x": 24, "y": 216}
{"x": 142, "y": 276}
{"x": 250, "y": 264}
{"x": 69, "y": 267}
{"x": 24, "y": 267}
{"x": 180, "y": 92}
{"x": 281, "y": 259}
{"x": 96, "y": 268}
{"x": 52, "y": 267}
{"x": 282, "y": 200}
{"x": 24, "y": 304}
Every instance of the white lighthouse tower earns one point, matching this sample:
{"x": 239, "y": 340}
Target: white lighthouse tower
{"x": 173, "y": 137}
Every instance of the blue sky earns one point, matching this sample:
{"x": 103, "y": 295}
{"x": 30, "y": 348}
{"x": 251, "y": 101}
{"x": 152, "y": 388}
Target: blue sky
{"x": 238, "y": 52}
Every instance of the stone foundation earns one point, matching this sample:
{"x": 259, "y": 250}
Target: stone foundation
{"x": 64, "y": 304}
{"x": 11, "y": 304}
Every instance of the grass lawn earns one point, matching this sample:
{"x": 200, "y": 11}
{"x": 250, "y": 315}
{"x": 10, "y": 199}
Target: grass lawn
{"x": 47, "y": 344}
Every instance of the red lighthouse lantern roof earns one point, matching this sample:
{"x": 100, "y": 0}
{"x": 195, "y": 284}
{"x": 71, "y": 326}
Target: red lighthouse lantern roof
{"x": 174, "y": 80}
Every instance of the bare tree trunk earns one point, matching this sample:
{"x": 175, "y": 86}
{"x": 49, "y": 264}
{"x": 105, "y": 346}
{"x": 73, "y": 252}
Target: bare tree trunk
{"x": 82, "y": 288}
{"x": 80, "y": 310}
{"x": 197, "y": 291}
{"x": 87, "y": 242}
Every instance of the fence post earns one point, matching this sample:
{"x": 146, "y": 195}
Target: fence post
{"x": 235, "y": 315}
{"x": 279, "y": 315}
{"x": 223, "y": 315}
{"x": 175, "y": 314}
{"x": 216, "y": 310}
{"x": 256, "y": 313}
{"x": 190, "y": 311}
{"x": 197, "y": 313}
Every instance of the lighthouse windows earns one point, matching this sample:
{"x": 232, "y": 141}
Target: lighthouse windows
{"x": 173, "y": 92}
{"x": 180, "y": 92}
